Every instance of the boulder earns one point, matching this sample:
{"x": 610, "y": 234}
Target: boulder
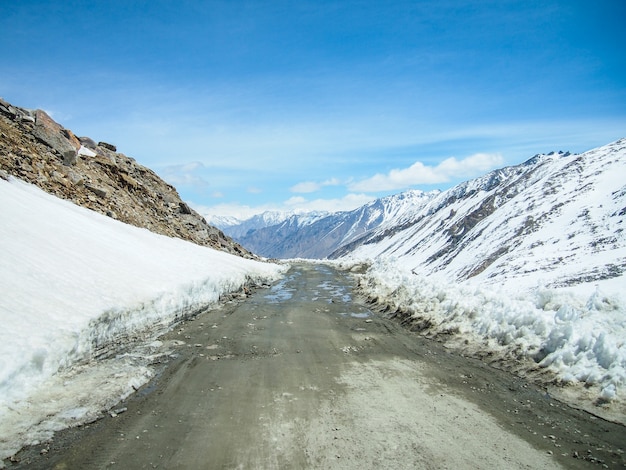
{"x": 15, "y": 113}
{"x": 76, "y": 178}
{"x": 100, "y": 192}
{"x": 52, "y": 134}
{"x": 69, "y": 157}
{"x": 88, "y": 143}
{"x": 184, "y": 208}
{"x": 7, "y": 109}
{"x": 107, "y": 146}
{"x": 74, "y": 141}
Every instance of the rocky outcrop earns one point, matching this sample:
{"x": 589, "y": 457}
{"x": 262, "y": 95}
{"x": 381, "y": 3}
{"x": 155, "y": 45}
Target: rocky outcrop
{"x": 34, "y": 148}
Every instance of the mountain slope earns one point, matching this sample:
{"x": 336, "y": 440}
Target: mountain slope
{"x": 38, "y": 150}
{"x": 556, "y": 218}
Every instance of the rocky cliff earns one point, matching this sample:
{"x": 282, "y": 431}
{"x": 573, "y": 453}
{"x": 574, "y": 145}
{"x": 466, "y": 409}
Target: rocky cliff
{"x": 34, "y": 148}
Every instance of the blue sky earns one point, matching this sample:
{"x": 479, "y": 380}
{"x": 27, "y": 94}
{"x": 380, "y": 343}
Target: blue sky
{"x": 253, "y": 105}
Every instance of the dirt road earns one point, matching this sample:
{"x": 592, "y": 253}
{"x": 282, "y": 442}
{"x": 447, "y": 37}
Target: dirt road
{"x": 303, "y": 376}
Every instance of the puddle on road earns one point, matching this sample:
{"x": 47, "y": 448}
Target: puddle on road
{"x": 361, "y": 314}
{"x": 279, "y": 292}
{"x": 337, "y": 290}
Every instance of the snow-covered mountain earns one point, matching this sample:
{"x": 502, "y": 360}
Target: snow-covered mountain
{"x": 243, "y": 228}
{"x": 222, "y": 221}
{"x": 557, "y": 219}
{"x": 317, "y": 235}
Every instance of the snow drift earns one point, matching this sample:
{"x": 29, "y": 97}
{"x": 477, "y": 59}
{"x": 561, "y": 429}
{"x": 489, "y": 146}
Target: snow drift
{"x": 579, "y": 338}
{"x": 76, "y": 285}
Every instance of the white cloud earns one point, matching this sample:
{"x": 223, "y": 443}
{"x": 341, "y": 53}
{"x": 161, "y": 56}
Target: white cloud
{"x": 306, "y": 187}
{"x": 188, "y": 167}
{"x": 418, "y": 173}
{"x": 346, "y": 203}
{"x": 296, "y": 203}
{"x": 313, "y": 186}
{"x": 186, "y": 174}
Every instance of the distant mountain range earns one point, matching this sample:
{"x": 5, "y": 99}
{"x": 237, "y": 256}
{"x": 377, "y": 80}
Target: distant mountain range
{"x": 554, "y": 211}
{"x": 317, "y": 235}
{"x": 241, "y": 228}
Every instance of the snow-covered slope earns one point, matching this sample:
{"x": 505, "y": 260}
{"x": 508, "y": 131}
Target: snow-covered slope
{"x": 557, "y": 219}
{"x": 314, "y": 235}
{"x": 76, "y": 285}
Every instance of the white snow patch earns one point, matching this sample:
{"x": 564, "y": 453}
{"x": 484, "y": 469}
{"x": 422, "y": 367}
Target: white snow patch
{"x": 580, "y": 337}
{"x": 86, "y": 152}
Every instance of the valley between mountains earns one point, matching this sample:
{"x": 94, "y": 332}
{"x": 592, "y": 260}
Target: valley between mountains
{"x": 478, "y": 327}
{"x": 304, "y": 375}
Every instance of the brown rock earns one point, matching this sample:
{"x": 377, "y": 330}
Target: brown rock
{"x": 69, "y": 157}
{"x": 107, "y": 146}
{"x": 100, "y": 192}
{"x": 74, "y": 141}
{"x": 52, "y": 134}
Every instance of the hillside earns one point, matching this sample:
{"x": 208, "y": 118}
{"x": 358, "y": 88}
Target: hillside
{"x": 557, "y": 219}
{"x": 36, "y": 149}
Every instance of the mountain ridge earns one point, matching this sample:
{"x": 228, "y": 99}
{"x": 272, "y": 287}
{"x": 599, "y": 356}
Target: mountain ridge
{"x": 318, "y": 235}
{"x": 557, "y": 216}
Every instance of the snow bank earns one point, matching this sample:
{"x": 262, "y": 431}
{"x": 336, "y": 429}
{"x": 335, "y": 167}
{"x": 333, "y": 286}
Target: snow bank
{"x": 580, "y": 338}
{"x": 75, "y": 285}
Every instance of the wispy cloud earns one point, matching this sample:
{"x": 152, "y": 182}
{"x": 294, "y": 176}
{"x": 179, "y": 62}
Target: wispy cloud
{"x": 348, "y": 202}
{"x": 295, "y": 203}
{"x": 186, "y": 175}
{"x": 313, "y": 186}
{"x": 418, "y": 173}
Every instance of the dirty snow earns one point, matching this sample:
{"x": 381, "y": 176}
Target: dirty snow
{"x": 76, "y": 285}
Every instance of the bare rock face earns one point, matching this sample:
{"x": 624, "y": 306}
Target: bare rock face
{"x": 55, "y": 136}
{"x": 34, "y": 148}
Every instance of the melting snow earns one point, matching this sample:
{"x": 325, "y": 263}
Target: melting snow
{"x": 579, "y": 334}
{"x": 76, "y": 285}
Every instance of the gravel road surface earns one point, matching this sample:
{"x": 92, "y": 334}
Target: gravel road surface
{"x": 303, "y": 375}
